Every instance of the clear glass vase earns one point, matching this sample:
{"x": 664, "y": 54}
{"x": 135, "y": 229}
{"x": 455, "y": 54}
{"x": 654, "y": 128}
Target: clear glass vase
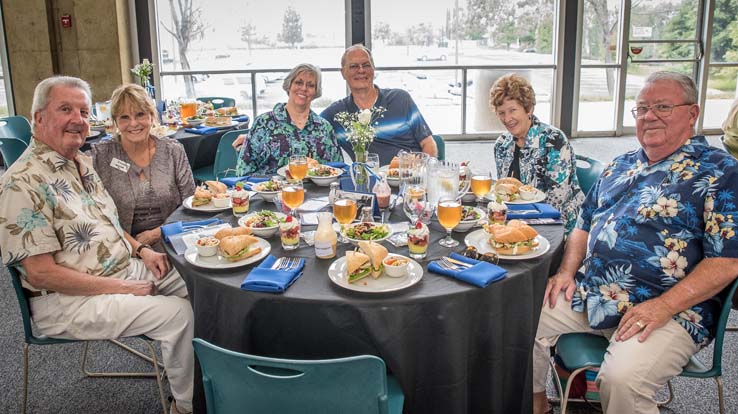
{"x": 359, "y": 173}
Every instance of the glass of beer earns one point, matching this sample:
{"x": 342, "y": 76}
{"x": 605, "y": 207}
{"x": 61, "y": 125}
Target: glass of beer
{"x": 481, "y": 184}
{"x": 293, "y": 195}
{"x": 344, "y": 210}
{"x": 298, "y": 166}
{"x": 187, "y": 109}
{"x": 449, "y": 215}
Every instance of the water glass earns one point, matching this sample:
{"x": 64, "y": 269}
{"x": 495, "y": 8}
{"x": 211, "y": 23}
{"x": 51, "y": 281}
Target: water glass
{"x": 372, "y": 161}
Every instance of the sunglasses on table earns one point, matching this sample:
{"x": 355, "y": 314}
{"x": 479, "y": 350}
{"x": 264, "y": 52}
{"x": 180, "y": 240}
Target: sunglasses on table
{"x": 472, "y": 253}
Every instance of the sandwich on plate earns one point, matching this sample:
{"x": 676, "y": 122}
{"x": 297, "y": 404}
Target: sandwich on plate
{"x": 512, "y": 239}
{"x": 358, "y": 266}
{"x": 201, "y": 197}
{"x": 216, "y": 187}
{"x": 376, "y": 253}
{"x": 235, "y": 248}
{"x": 508, "y": 188}
{"x": 233, "y": 231}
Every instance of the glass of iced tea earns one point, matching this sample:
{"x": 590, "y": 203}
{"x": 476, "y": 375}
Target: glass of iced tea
{"x": 293, "y": 195}
{"x": 449, "y": 215}
{"x": 344, "y": 210}
{"x": 298, "y": 166}
{"x": 481, "y": 184}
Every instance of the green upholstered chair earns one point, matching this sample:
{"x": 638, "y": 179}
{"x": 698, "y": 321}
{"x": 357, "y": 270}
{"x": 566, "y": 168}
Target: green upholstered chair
{"x": 441, "y": 147}
{"x": 580, "y": 351}
{"x": 226, "y": 157}
{"x": 234, "y": 381}
{"x": 588, "y": 171}
{"x": 11, "y": 149}
{"x": 31, "y": 338}
{"x": 218, "y": 101}
{"x": 15, "y": 127}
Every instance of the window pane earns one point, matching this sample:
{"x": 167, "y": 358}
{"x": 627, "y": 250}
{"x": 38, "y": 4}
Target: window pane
{"x": 600, "y": 31}
{"x": 479, "y": 115}
{"x": 596, "y": 99}
{"x": 721, "y": 90}
{"x": 418, "y": 32}
{"x": 725, "y": 32}
{"x": 661, "y": 20}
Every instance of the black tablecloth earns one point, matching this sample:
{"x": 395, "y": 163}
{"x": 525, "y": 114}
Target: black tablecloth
{"x": 455, "y": 348}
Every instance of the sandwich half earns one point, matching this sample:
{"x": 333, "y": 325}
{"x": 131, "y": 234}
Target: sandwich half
{"x": 376, "y": 253}
{"x": 235, "y": 248}
{"x": 358, "y": 266}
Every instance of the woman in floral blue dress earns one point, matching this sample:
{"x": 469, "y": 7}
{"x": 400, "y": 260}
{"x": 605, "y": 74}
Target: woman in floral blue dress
{"x": 290, "y": 128}
{"x": 532, "y": 151}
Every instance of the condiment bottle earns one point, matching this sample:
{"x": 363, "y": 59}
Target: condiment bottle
{"x": 325, "y": 237}
{"x": 366, "y": 215}
{"x": 382, "y": 191}
{"x": 333, "y": 194}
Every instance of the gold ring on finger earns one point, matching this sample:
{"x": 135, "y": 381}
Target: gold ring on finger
{"x": 640, "y": 325}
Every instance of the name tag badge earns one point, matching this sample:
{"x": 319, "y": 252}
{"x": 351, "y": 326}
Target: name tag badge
{"x": 120, "y": 165}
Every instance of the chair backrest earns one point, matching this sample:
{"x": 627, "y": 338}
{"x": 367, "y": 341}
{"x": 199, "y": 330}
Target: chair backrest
{"x": 441, "y": 147}
{"x": 226, "y": 156}
{"x": 15, "y": 127}
{"x": 722, "y": 322}
{"x": 234, "y": 381}
{"x": 11, "y": 149}
{"x": 588, "y": 171}
{"x": 218, "y": 101}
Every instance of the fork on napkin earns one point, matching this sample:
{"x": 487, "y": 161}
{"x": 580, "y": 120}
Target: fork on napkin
{"x": 265, "y": 279}
{"x": 480, "y": 274}
{"x": 170, "y": 229}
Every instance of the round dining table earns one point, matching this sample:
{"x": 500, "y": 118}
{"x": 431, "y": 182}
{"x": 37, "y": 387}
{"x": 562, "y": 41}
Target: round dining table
{"x": 454, "y": 347}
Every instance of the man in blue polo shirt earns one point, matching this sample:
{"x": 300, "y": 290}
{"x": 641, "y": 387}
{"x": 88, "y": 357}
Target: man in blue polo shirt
{"x": 401, "y": 127}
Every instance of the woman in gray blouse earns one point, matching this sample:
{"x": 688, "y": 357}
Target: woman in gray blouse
{"x": 148, "y": 177}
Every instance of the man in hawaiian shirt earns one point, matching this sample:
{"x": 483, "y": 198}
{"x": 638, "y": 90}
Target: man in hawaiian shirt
{"x": 60, "y": 229}
{"x": 657, "y": 239}
{"x": 402, "y": 126}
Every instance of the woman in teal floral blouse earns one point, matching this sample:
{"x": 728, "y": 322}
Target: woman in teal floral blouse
{"x": 533, "y": 152}
{"x": 290, "y": 128}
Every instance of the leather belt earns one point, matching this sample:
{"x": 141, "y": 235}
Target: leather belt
{"x": 36, "y": 294}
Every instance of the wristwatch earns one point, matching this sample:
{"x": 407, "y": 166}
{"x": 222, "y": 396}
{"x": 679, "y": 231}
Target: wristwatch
{"x": 141, "y": 247}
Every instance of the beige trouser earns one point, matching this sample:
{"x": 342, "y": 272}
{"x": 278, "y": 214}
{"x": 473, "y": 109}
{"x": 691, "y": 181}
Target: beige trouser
{"x": 632, "y": 371}
{"x": 166, "y": 318}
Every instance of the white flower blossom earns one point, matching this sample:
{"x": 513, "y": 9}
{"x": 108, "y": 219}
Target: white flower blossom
{"x": 365, "y": 116}
{"x": 674, "y": 264}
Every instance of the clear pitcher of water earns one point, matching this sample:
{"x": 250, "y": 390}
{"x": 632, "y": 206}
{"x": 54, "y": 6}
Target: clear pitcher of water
{"x": 442, "y": 178}
{"x": 412, "y": 168}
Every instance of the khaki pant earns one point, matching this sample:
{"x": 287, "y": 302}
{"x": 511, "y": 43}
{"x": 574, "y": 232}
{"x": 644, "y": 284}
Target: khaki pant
{"x": 166, "y": 318}
{"x": 632, "y": 371}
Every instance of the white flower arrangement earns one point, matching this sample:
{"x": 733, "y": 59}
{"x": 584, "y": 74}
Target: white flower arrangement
{"x": 359, "y": 126}
{"x": 142, "y": 71}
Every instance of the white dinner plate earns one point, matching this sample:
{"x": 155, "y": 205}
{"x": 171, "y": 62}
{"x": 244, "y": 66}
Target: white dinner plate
{"x": 337, "y": 273}
{"x": 209, "y": 207}
{"x": 393, "y": 181}
{"x": 218, "y": 262}
{"x": 537, "y": 198}
{"x": 480, "y": 240}
{"x": 233, "y": 123}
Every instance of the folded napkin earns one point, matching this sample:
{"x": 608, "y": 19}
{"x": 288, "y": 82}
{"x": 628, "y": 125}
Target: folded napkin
{"x": 170, "y": 229}
{"x": 481, "y": 274}
{"x": 337, "y": 164}
{"x": 241, "y": 118}
{"x": 201, "y": 130}
{"x": 524, "y": 211}
{"x": 265, "y": 279}
{"x": 231, "y": 181}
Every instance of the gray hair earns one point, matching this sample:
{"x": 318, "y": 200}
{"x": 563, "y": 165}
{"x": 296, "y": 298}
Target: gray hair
{"x": 357, "y": 46}
{"x": 685, "y": 82}
{"x": 43, "y": 91}
{"x": 304, "y": 68}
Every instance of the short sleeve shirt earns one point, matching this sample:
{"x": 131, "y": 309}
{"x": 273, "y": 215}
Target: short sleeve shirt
{"x": 46, "y": 206}
{"x": 273, "y": 138}
{"x": 650, "y": 225}
{"x": 401, "y": 127}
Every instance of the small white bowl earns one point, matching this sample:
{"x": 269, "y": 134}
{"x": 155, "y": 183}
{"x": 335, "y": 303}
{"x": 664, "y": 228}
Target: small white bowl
{"x": 268, "y": 195}
{"x": 194, "y": 122}
{"x": 396, "y": 270}
{"x": 207, "y": 246}
{"x": 466, "y": 225}
{"x": 221, "y": 200}
{"x": 264, "y": 232}
{"x": 325, "y": 181}
{"x": 527, "y": 192}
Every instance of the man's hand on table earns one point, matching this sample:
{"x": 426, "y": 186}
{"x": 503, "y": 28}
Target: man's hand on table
{"x": 557, "y": 283}
{"x": 156, "y": 262}
{"x": 645, "y": 318}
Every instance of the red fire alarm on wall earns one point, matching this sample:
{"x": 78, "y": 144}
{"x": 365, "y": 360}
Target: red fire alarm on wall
{"x": 66, "y": 20}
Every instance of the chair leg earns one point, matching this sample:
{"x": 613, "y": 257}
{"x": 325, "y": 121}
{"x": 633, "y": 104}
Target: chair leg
{"x": 120, "y": 374}
{"x": 557, "y": 381}
{"x": 159, "y": 375}
{"x": 669, "y": 398}
{"x": 721, "y": 400}
{"x": 25, "y": 377}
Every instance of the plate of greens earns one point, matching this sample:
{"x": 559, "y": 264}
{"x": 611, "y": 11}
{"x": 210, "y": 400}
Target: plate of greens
{"x": 357, "y": 232}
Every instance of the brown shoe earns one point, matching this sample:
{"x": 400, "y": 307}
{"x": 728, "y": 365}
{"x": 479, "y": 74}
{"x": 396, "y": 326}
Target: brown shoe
{"x": 174, "y": 410}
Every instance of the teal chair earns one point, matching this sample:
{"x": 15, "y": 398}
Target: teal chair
{"x": 225, "y": 159}
{"x": 580, "y": 351}
{"x": 218, "y": 101}
{"x": 236, "y": 382}
{"x": 11, "y": 149}
{"x": 30, "y": 338}
{"x": 16, "y": 127}
{"x": 588, "y": 171}
{"x": 441, "y": 147}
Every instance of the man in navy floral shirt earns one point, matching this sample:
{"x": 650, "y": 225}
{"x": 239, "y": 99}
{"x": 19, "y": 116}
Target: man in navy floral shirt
{"x": 657, "y": 238}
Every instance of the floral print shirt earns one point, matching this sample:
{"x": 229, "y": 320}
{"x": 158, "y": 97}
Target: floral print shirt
{"x": 273, "y": 138}
{"x": 47, "y": 207}
{"x": 650, "y": 225}
{"x": 547, "y": 163}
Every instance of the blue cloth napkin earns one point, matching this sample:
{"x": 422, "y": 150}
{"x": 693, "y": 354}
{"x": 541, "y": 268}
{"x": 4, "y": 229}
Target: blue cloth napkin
{"x": 201, "y": 130}
{"x": 264, "y": 279}
{"x": 544, "y": 211}
{"x": 337, "y": 164}
{"x": 481, "y": 274}
{"x": 170, "y": 229}
{"x": 241, "y": 118}
{"x": 231, "y": 181}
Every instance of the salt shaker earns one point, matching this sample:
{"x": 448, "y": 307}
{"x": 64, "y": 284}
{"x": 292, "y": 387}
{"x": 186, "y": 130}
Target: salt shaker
{"x": 333, "y": 194}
